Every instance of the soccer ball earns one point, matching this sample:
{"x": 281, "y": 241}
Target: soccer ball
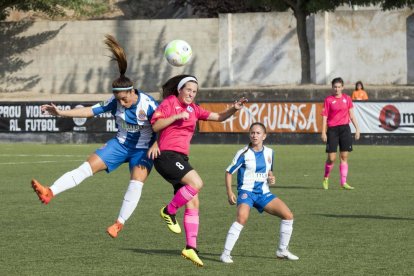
{"x": 178, "y": 52}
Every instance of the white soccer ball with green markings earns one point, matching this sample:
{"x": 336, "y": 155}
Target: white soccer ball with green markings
{"x": 178, "y": 52}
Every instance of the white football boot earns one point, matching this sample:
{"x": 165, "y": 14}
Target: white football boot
{"x": 286, "y": 255}
{"x": 226, "y": 258}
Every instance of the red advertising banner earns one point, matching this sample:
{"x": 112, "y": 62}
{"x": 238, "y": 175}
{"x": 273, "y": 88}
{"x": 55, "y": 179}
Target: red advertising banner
{"x": 277, "y": 117}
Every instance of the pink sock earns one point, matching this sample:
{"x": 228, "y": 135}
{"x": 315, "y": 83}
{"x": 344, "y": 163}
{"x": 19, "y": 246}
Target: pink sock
{"x": 183, "y": 195}
{"x": 343, "y": 171}
{"x": 328, "y": 169}
{"x": 191, "y": 221}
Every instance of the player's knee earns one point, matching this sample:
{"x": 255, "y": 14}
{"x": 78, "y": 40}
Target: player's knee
{"x": 242, "y": 220}
{"x": 288, "y": 216}
{"x": 197, "y": 184}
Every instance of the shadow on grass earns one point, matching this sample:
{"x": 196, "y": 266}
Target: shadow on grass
{"x": 363, "y": 217}
{"x": 215, "y": 257}
{"x": 169, "y": 252}
{"x": 295, "y": 187}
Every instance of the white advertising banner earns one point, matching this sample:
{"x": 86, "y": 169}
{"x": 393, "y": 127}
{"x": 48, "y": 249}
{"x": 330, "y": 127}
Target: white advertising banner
{"x": 385, "y": 117}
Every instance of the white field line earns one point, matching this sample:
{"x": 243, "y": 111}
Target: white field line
{"x": 41, "y": 155}
{"x": 39, "y": 162}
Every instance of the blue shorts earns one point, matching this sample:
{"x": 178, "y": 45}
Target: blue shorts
{"x": 258, "y": 201}
{"x": 114, "y": 154}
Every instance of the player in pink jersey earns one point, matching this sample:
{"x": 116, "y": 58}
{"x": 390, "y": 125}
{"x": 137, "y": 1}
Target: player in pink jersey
{"x": 175, "y": 119}
{"x": 338, "y": 111}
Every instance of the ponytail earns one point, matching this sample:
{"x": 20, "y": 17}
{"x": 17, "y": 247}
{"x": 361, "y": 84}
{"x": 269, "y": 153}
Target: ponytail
{"x": 120, "y": 56}
{"x": 248, "y": 147}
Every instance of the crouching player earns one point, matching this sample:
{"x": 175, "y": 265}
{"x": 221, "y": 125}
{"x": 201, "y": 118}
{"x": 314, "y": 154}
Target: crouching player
{"x": 254, "y": 164}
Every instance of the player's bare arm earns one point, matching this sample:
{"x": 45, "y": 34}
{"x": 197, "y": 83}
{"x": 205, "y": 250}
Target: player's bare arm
{"x": 164, "y": 122}
{"x": 52, "y": 109}
{"x": 231, "y": 197}
{"x": 324, "y": 126}
{"x": 222, "y": 116}
{"x": 271, "y": 179}
{"x": 355, "y": 123}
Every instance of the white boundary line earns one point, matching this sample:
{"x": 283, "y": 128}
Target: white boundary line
{"x": 43, "y": 155}
{"x": 38, "y": 162}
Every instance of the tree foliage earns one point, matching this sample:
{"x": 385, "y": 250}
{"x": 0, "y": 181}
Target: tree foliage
{"x": 53, "y": 8}
{"x": 211, "y": 8}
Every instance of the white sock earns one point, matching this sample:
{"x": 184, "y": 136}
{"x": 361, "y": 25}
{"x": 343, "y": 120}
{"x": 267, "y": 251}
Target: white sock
{"x": 232, "y": 237}
{"x": 286, "y": 228}
{"x": 72, "y": 179}
{"x": 131, "y": 200}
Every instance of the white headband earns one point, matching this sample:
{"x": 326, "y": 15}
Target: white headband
{"x": 184, "y": 81}
{"x": 122, "y": 88}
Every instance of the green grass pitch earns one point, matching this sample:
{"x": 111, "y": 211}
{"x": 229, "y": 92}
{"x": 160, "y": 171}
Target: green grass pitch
{"x": 367, "y": 231}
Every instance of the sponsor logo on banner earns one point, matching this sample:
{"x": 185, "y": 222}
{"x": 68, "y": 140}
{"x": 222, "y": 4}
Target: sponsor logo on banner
{"x": 277, "y": 117}
{"x": 379, "y": 117}
{"x": 79, "y": 122}
{"x": 390, "y": 118}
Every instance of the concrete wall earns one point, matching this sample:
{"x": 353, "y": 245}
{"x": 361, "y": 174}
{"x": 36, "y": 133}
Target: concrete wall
{"x": 70, "y": 57}
{"x": 258, "y": 49}
{"x": 237, "y": 50}
{"x": 367, "y": 45}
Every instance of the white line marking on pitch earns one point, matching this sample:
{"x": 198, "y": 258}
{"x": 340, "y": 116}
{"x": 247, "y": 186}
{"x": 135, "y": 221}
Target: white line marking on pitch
{"x": 43, "y": 155}
{"x": 38, "y": 162}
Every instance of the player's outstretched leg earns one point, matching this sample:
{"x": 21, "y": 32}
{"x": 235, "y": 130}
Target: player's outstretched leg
{"x": 170, "y": 220}
{"x": 114, "y": 229}
{"x": 44, "y": 193}
{"x": 192, "y": 255}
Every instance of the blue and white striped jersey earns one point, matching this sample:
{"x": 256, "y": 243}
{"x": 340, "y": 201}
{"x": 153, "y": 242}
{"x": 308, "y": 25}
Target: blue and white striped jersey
{"x": 253, "y": 169}
{"x": 133, "y": 124}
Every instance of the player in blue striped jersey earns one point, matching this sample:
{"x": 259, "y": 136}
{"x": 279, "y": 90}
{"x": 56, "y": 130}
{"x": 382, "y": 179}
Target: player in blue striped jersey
{"x": 254, "y": 166}
{"x": 134, "y": 142}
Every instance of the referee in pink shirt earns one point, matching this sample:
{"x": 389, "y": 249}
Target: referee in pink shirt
{"x": 337, "y": 112}
{"x": 175, "y": 119}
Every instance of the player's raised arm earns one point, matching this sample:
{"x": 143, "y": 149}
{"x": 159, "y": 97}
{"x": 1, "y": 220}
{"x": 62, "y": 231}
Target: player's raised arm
{"x": 222, "y": 116}
{"x": 52, "y": 109}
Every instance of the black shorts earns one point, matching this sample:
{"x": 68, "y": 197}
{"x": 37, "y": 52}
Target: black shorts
{"x": 173, "y": 166}
{"x": 339, "y": 135}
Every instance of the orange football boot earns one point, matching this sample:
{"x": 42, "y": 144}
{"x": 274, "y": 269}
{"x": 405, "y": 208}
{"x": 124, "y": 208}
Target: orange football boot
{"x": 114, "y": 229}
{"x": 44, "y": 193}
